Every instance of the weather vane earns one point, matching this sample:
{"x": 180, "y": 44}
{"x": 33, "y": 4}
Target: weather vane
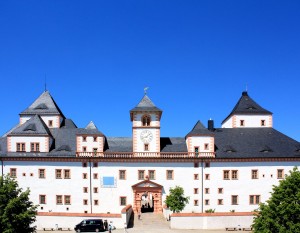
{"x": 145, "y": 90}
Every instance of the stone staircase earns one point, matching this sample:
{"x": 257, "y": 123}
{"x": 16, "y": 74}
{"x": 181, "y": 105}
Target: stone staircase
{"x": 149, "y": 222}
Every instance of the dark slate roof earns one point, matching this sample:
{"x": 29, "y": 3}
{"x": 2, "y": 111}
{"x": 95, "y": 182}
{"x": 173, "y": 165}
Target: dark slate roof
{"x": 145, "y": 105}
{"x": 254, "y": 143}
{"x": 175, "y": 144}
{"x": 34, "y": 126}
{"x": 199, "y": 130}
{"x": 119, "y": 144}
{"x": 43, "y": 105}
{"x": 247, "y": 106}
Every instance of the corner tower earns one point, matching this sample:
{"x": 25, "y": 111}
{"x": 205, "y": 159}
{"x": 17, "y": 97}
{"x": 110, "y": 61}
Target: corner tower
{"x": 145, "y": 118}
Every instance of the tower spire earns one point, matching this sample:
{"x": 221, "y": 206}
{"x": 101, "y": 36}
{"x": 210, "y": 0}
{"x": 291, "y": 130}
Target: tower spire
{"x": 145, "y": 90}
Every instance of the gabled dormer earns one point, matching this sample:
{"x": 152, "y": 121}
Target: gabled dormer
{"x": 32, "y": 136}
{"x": 200, "y": 140}
{"x": 89, "y": 141}
{"x": 247, "y": 113}
{"x": 46, "y": 107}
{"x": 145, "y": 119}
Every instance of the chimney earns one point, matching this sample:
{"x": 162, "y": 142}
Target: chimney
{"x": 210, "y": 125}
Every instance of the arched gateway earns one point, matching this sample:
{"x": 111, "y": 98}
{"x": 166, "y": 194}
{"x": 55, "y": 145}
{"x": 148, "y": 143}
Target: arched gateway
{"x": 147, "y": 194}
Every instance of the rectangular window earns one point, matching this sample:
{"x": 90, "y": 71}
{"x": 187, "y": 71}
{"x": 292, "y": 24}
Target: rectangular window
{"x": 280, "y": 174}
{"x": 220, "y": 201}
{"x": 42, "y": 174}
{"x": 67, "y": 174}
{"x": 50, "y": 123}
{"x": 206, "y": 190}
{"x": 206, "y": 146}
{"x": 196, "y": 165}
{"x": 95, "y": 164}
{"x": 84, "y": 164}
{"x": 146, "y": 147}
{"x": 207, "y": 164}
{"x": 254, "y": 199}
{"x": 242, "y": 123}
{"x": 96, "y": 202}
{"x": 84, "y": 148}
{"x": 207, "y": 176}
{"x": 67, "y": 200}
{"x": 13, "y": 172}
{"x": 95, "y": 190}
{"x": 122, "y": 174}
{"x": 95, "y": 176}
{"x": 42, "y": 199}
{"x": 220, "y": 190}
{"x": 141, "y": 174}
{"x": 84, "y": 175}
{"x": 254, "y": 174}
{"x": 85, "y": 189}
{"x": 151, "y": 174}
{"x": 234, "y": 174}
{"x": 21, "y": 147}
{"x": 59, "y": 200}
{"x": 95, "y": 139}
{"x": 196, "y": 190}
{"x": 85, "y": 201}
{"x": 196, "y": 177}
{"x": 206, "y": 201}
{"x": 196, "y": 202}
{"x": 262, "y": 122}
{"x": 234, "y": 200}
{"x": 196, "y": 149}
{"x": 226, "y": 175}
{"x": 58, "y": 174}
{"x": 34, "y": 147}
{"x": 170, "y": 174}
{"x": 84, "y": 138}
{"x": 123, "y": 201}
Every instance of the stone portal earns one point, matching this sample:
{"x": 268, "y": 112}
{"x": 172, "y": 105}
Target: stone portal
{"x": 147, "y": 197}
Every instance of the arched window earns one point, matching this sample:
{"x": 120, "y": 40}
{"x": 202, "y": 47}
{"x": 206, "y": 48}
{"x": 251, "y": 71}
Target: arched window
{"x": 146, "y": 120}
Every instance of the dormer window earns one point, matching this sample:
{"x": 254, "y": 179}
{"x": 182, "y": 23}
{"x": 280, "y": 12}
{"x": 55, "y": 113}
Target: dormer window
{"x": 50, "y": 123}
{"x": 34, "y": 147}
{"x": 146, "y": 120}
{"x": 242, "y": 123}
{"x": 196, "y": 151}
{"x": 20, "y": 147}
{"x": 263, "y": 123}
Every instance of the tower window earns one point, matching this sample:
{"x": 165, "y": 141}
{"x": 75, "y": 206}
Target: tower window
{"x": 50, "y": 123}
{"x": 146, "y": 120}
{"x": 196, "y": 151}
{"x": 263, "y": 123}
{"x": 146, "y": 147}
{"x": 242, "y": 123}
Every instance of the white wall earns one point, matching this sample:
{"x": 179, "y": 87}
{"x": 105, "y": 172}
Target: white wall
{"x": 249, "y": 121}
{"x": 109, "y": 198}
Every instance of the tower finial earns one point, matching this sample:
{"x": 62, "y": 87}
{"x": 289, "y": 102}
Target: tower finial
{"x": 45, "y": 83}
{"x": 145, "y": 90}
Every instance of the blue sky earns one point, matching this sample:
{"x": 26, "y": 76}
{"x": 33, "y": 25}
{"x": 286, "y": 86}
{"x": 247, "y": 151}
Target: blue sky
{"x": 196, "y": 57}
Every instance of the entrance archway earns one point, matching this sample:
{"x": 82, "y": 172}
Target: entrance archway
{"x": 147, "y": 196}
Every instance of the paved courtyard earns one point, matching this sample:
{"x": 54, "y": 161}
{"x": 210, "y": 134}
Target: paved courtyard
{"x": 152, "y": 223}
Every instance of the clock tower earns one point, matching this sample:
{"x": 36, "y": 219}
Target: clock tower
{"x": 145, "y": 119}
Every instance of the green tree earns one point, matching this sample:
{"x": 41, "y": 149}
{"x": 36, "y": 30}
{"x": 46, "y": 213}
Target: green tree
{"x": 281, "y": 213}
{"x": 17, "y": 213}
{"x": 176, "y": 200}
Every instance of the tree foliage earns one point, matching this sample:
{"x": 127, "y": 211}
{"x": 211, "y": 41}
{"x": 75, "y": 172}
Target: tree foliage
{"x": 281, "y": 213}
{"x": 17, "y": 213}
{"x": 176, "y": 200}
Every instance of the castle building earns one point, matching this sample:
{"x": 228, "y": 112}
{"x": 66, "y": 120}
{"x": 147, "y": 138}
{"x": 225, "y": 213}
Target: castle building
{"x": 80, "y": 170}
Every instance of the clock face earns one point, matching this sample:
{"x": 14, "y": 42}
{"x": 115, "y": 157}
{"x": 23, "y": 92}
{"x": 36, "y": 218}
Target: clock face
{"x": 146, "y": 136}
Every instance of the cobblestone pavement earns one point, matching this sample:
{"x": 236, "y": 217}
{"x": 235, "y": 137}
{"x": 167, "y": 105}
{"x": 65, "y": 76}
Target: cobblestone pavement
{"x": 151, "y": 223}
